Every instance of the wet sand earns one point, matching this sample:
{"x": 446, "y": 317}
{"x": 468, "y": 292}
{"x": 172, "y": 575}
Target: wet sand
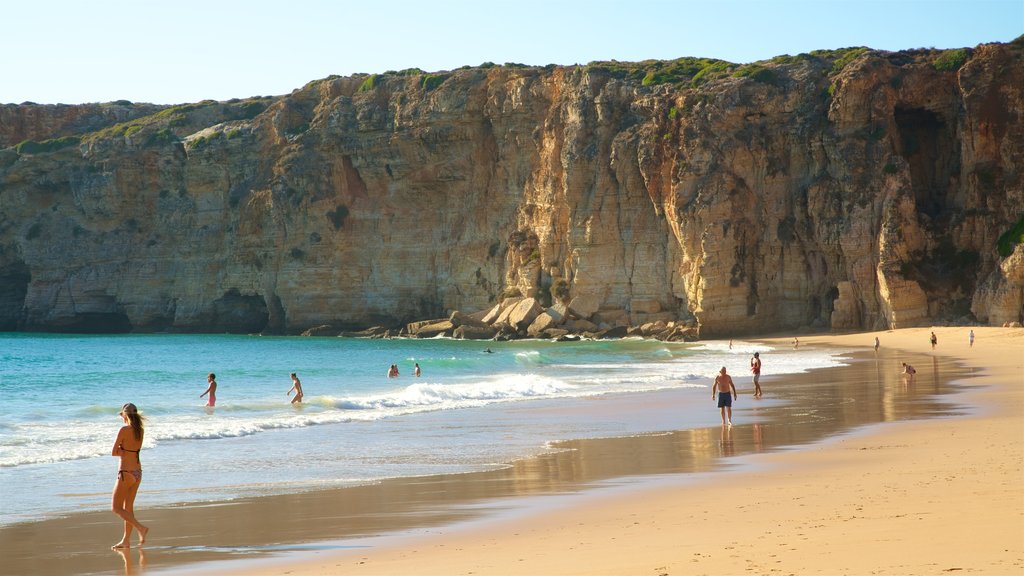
{"x": 923, "y": 497}
{"x": 642, "y": 489}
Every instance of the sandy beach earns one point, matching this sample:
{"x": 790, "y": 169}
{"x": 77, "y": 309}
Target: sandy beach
{"x": 922, "y": 497}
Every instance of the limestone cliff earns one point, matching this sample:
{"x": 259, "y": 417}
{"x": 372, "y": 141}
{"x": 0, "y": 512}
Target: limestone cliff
{"x": 851, "y": 189}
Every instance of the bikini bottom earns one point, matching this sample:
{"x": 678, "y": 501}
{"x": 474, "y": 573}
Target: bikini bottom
{"x": 136, "y": 473}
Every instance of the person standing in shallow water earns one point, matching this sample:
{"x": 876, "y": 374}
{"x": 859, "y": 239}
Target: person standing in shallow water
{"x": 726, "y": 394}
{"x": 129, "y": 475}
{"x": 297, "y": 388}
{"x": 755, "y": 367}
{"x": 211, "y": 379}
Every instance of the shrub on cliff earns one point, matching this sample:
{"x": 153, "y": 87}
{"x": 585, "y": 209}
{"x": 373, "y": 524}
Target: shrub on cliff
{"x": 710, "y": 72}
{"x": 204, "y": 141}
{"x": 1010, "y": 238}
{"x": 951, "y": 60}
{"x": 431, "y": 81}
{"x": 841, "y": 57}
{"x": 757, "y": 73}
{"x": 52, "y": 145}
{"x": 162, "y": 136}
{"x": 369, "y": 83}
{"x": 246, "y": 111}
{"x": 680, "y": 72}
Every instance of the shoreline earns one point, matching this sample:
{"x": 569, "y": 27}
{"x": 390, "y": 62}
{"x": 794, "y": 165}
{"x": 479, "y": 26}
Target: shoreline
{"x": 527, "y": 489}
{"x": 908, "y": 497}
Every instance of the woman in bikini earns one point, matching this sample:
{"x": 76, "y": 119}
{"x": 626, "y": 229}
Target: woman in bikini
{"x": 129, "y": 474}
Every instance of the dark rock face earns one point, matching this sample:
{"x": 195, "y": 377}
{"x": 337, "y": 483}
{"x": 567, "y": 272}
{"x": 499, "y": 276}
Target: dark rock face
{"x": 820, "y": 190}
{"x": 14, "y": 280}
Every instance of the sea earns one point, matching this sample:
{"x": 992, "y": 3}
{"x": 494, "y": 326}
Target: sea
{"x": 476, "y": 406}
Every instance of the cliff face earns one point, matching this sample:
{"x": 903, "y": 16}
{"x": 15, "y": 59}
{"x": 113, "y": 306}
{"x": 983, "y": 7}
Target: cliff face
{"x": 805, "y": 191}
{"x": 34, "y": 122}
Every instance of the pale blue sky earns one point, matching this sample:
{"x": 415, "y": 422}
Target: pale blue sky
{"x": 178, "y": 51}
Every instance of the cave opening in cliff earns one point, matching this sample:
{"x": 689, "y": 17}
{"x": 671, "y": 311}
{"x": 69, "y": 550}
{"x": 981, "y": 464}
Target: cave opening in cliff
{"x": 927, "y": 144}
{"x": 236, "y": 313}
{"x": 14, "y": 280}
{"x": 93, "y": 323}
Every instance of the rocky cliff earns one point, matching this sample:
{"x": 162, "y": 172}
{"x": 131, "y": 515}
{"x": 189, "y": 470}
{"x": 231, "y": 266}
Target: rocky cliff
{"x": 852, "y": 189}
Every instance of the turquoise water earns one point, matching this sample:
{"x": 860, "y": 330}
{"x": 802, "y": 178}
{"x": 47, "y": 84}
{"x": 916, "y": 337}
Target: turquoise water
{"x": 62, "y": 394}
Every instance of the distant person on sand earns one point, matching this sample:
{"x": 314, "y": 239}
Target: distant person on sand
{"x": 129, "y": 473}
{"x": 877, "y": 344}
{"x": 416, "y": 370}
{"x": 908, "y": 371}
{"x": 730, "y": 344}
{"x": 755, "y": 367}
{"x": 393, "y": 371}
{"x": 211, "y": 378}
{"x": 726, "y": 394}
{"x": 970, "y": 338}
{"x": 297, "y": 387}
{"x": 934, "y": 340}
{"x": 796, "y": 343}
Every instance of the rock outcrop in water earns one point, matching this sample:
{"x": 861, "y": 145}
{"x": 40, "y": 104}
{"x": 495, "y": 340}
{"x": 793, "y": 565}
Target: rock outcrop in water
{"x": 853, "y": 189}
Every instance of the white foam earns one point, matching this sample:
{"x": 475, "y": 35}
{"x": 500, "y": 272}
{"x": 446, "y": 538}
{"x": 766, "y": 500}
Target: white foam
{"x": 510, "y": 387}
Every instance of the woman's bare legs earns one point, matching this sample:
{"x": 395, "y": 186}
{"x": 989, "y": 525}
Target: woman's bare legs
{"x": 122, "y": 504}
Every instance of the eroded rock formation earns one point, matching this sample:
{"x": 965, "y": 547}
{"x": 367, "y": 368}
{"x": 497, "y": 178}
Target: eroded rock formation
{"x": 853, "y": 189}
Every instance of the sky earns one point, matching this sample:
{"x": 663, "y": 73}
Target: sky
{"x": 180, "y": 51}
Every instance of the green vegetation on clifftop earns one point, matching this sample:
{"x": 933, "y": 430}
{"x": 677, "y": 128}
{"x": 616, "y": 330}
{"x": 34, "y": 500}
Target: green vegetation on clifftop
{"x": 52, "y": 145}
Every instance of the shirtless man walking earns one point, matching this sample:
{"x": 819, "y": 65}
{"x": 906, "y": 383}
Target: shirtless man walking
{"x": 211, "y": 379}
{"x": 297, "y": 387}
{"x": 726, "y": 394}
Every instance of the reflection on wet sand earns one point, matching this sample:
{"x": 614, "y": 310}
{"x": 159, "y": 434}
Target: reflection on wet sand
{"x": 129, "y": 564}
{"x": 726, "y": 442}
{"x": 814, "y": 406}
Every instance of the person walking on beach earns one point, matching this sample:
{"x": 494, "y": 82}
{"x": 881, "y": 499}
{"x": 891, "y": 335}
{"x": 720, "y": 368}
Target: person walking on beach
{"x": 934, "y": 340}
{"x": 796, "y": 343}
{"x": 416, "y": 370}
{"x": 211, "y": 379}
{"x": 129, "y": 473}
{"x": 297, "y": 388}
{"x": 755, "y": 367}
{"x": 970, "y": 338}
{"x": 726, "y": 394}
{"x": 877, "y": 344}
